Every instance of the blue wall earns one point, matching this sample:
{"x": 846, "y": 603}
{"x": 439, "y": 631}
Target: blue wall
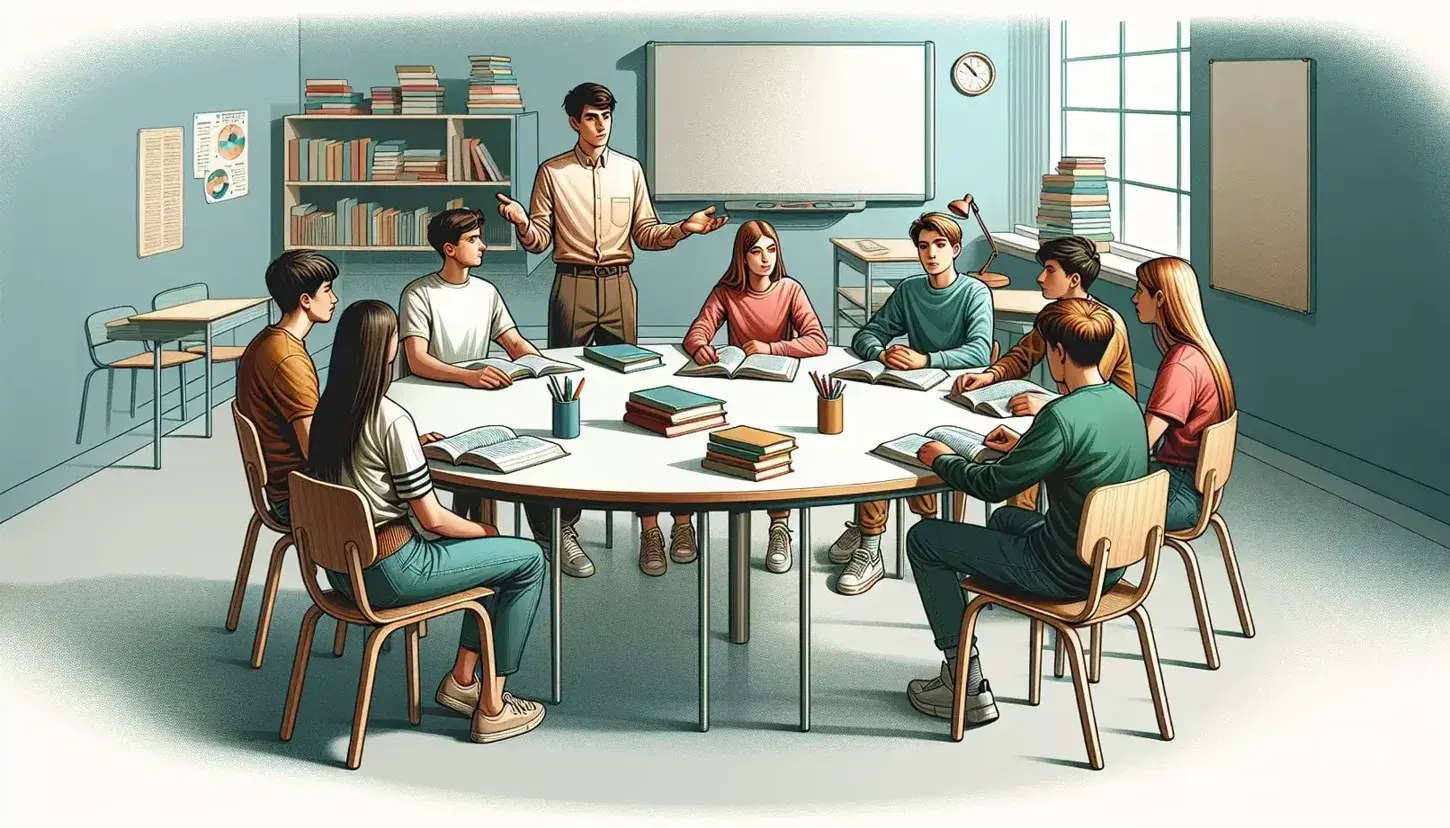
{"x": 68, "y": 235}
{"x": 550, "y": 56}
{"x": 1356, "y": 388}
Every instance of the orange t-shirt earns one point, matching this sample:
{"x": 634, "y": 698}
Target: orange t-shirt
{"x": 277, "y": 384}
{"x": 1186, "y": 396}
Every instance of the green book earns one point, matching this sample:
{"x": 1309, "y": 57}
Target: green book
{"x": 670, "y": 399}
{"x": 624, "y": 357}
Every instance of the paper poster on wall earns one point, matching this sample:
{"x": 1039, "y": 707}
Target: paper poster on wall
{"x": 161, "y": 158}
{"x": 219, "y": 145}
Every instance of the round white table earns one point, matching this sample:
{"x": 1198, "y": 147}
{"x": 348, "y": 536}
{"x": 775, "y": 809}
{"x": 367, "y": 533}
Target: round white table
{"x": 613, "y": 464}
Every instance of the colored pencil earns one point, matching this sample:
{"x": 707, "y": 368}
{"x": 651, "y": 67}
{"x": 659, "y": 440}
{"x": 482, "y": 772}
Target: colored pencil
{"x": 580, "y": 389}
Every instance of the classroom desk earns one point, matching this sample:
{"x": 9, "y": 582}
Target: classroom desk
{"x": 209, "y": 316}
{"x": 613, "y": 465}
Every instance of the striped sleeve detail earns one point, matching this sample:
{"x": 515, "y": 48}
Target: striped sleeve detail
{"x": 414, "y": 484}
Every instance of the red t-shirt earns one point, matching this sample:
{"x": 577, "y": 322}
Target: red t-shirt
{"x": 1185, "y": 395}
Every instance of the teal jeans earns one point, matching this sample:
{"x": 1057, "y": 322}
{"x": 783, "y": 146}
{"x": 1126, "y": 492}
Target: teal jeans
{"x": 422, "y": 570}
{"x": 1185, "y": 503}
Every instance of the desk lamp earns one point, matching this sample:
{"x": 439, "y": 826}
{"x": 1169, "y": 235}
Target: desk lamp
{"x": 961, "y": 207}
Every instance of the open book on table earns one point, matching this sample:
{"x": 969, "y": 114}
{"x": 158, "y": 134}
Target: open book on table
{"x": 992, "y": 400}
{"x": 876, "y": 373}
{"x": 734, "y": 364}
{"x": 529, "y": 365}
{"x": 963, "y": 441}
{"x": 496, "y": 448}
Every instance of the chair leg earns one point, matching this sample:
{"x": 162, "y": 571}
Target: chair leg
{"x": 244, "y": 568}
{"x": 1235, "y": 577}
{"x": 415, "y": 707}
{"x": 299, "y": 671}
{"x": 1200, "y": 601}
{"x": 269, "y": 600}
{"x": 486, "y": 663}
{"x": 1059, "y": 655}
{"x": 1034, "y": 665}
{"x": 339, "y": 638}
{"x": 423, "y": 628}
{"x": 133, "y": 393}
{"x": 959, "y": 506}
{"x": 181, "y": 388}
{"x": 1095, "y": 648}
{"x": 1155, "y": 672}
{"x": 85, "y": 393}
{"x": 110, "y": 396}
{"x": 364, "y": 695}
{"x": 959, "y": 694}
{"x": 1084, "y": 696}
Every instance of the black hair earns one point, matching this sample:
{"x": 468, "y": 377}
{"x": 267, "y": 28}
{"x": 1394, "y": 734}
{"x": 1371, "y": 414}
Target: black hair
{"x": 588, "y": 94}
{"x": 357, "y": 378}
{"x": 298, "y": 273}
{"x": 450, "y": 226}
{"x": 1074, "y": 254}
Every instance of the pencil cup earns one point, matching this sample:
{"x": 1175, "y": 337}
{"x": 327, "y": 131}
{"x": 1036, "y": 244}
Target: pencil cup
{"x": 830, "y": 415}
{"x": 566, "y": 419}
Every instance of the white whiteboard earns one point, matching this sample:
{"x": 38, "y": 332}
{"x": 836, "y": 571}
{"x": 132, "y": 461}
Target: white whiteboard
{"x": 790, "y": 121}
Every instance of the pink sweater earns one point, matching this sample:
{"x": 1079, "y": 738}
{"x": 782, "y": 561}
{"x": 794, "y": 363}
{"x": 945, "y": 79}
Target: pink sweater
{"x": 781, "y": 316}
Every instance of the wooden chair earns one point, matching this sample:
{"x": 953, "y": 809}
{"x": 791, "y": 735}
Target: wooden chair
{"x": 144, "y": 360}
{"x": 333, "y": 528}
{"x": 1122, "y": 524}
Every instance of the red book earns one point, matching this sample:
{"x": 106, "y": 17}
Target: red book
{"x": 674, "y": 430}
{"x": 665, "y": 418}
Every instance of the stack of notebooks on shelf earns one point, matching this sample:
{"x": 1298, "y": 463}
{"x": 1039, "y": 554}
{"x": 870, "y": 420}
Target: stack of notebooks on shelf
{"x": 1075, "y": 202}
{"x": 424, "y": 165}
{"x": 387, "y": 100}
{"x": 475, "y": 162}
{"x": 322, "y": 159}
{"x": 673, "y": 411}
{"x": 332, "y": 97}
{"x": 626, "y": 359}
{"x": 492, "y": 86}
{"x": 751, "y": 453}
{"x": 388, "y": 160}
{"x": 421, "y": 92}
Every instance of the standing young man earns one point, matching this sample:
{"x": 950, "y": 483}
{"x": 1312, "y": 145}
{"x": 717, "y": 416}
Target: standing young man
{"x": 591, "y": 203}
{"x": 276, "y": 380}
{"x": 450, "y": 317}
{"x": 947, "y": 320}
{"x": 1069, "y": 268}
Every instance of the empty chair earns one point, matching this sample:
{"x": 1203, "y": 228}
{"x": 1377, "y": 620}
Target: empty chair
{"x": 191, "y": 293}
{"x": 116, "y": 357}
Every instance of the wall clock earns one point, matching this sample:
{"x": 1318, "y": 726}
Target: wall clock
{"x": 973, "y": 73}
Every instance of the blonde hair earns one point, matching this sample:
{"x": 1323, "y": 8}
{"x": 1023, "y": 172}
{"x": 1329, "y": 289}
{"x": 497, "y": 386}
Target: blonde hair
{"x": 1181, "y": 320}
{"x": 737, "y": 275}
{"x": 1083, "y": 328}
{"x": 943, "y": 224}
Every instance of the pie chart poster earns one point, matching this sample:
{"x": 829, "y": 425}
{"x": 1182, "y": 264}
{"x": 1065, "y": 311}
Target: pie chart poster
{"x": 220, "y": 154}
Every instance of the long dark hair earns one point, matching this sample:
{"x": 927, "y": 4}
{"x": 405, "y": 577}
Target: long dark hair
{"x": 737, "y": 276}
{"x": 357, "y": 378}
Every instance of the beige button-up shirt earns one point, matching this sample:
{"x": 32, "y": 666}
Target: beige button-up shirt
{"x": 590, "y": 211}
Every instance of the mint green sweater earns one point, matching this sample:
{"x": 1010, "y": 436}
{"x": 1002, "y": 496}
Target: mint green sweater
{"x": 952, "y": 326}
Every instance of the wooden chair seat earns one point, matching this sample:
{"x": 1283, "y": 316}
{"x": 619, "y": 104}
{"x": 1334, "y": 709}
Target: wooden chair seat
{"x": 148, "y": 360}
{"x": 339, "y": 606}
{"x": 1116, "y": 602}
{"x": 219, "y": 353}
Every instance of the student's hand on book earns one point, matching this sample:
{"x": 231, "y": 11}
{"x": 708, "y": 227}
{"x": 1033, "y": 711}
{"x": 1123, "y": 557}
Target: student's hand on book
{"x": 706, "y": 355}
{"x": 903, "y": 358}
{"x": 1026, "y": 405}
{"x": 430, "y": 437}
{"x": 489, "y": 377}
{"x": 931, "y": 451}
{"x": 753, "y": 347}
{"x": 512, "y": 211}
{"x": 704, "y": 221}
{"x": 971, "y": 382}
{"x": 1001, "y": 438}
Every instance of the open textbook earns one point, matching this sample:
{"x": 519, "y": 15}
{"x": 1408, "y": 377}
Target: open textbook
{"x": 530, "y": 365}
{"x": 963, "y": 441}
{"x": 496, "y": 448}
{"x": 992, "y": 400}
{"x": 878, "y": 374}
{"x": 734, "y": 364}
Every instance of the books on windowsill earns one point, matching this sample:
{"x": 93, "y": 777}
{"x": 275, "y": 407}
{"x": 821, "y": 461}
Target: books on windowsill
{"x": 992, "y": 400}
{"x": 626, "y": 359}
{"x": 734, "y": 364}
{"x": 965, "y": 442}
{"x": 1074, "y": 202}
{"x": 495, "y": 448}
{"x": 750, "y": 453}
{"x": 671, "y": 411}
{"x": 528, "y": 366}
{"x": 874, "y": 372}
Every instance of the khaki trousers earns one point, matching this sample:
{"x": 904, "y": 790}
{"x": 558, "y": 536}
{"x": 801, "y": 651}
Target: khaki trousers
{"x": 871, "y": 517}
{"x": 592, "y": 308}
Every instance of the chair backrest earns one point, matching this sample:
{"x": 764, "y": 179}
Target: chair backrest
{"x": 996, "y": 352}
{"x": 180, "y": 295}
{"x": 1216, "y": 460}
{"x": 331, "y": 524}
{"x": 1126, "y": 518}
{"x": 96, "y": 331}
{"x": 253, "y": 464}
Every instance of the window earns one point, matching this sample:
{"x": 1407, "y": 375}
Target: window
{"x": 1120, "y": 91}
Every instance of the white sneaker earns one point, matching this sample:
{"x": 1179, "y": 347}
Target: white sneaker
{"x": 777, "y": 552}
{"x": 518, "y": 717}
{"x": 934, "y": 698}
{"x": 575, "y": 563}
{"x": 846, "y": 544}
{"x": 861, "y": 572}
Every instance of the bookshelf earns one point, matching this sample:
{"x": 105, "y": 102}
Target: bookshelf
{"x": 511, "y": 139}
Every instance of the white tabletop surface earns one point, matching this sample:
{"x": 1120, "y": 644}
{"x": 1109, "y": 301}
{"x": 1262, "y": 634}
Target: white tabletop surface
{"x": 612, "y": 461}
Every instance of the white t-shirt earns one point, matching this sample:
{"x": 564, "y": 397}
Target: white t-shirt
{"x": 457, "y": 321}
{"x": 388, "y": 465}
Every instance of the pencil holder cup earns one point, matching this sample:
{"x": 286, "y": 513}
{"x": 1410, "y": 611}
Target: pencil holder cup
{"x": 566, "y": 419}
{"x": 830, "y": 415}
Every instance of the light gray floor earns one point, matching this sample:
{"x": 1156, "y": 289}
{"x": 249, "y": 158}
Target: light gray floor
{"x": 116, "y": 590}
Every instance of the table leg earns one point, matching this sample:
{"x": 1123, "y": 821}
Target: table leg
{"x": 608, "y": 530}
{"x": 805, "y": 567}
{"x": 900, "y": 538}
{"x": 207, "y": 375}
{"x": 556, "y": 575}
{"x": 156, "y": 404}
{"x": 704, "y": 577}
{"x": 740, "y": 576}
{"x": 836, "y": 301}
{"x": 518, "y": 520}
{"x": 869, "y": 303}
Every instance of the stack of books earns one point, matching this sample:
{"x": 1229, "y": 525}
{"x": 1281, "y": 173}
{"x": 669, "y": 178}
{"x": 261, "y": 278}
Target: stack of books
{"x": 673, "y": 411}
{"x": 1075, "y": 202}
{"x": 388, "y": 160}
{"x": 387, "y": 100}
{"x": 421, "y": 92}
{"x": 332, "y": 97}
{"x": 492, "y": 86}
{"x": 751, "y": 453}
{"x": 424, "y": 165}
{"x": 626, "y": 359}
